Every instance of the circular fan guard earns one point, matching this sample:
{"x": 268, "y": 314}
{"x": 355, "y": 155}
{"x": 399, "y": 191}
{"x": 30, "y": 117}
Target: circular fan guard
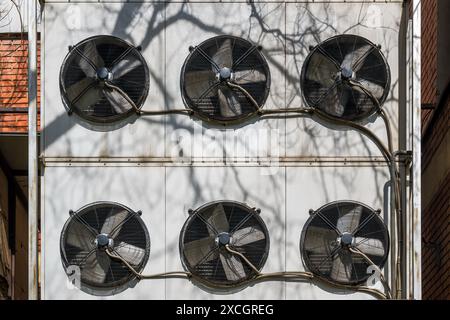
{"x": 213, "y": 64}
{"x": 209, "y": 229}
{"x": 104, "y": 79}
{"x": 332, "y": 230}
{"x": 97, "y": 227}
{"x": 342, "y": 76}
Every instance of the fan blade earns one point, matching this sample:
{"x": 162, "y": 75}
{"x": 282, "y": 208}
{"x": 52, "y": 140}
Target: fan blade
{"x": 80, "y": 236}
{"x": 96, "y": 267}
{"x": 246, "y": 236}
{"x": 115, "y": 220}
{"x": 321, "y": 69}
{"x": 91, "y": 53}
{"x": 332, "y": 104}
{"x": 224, "y": 55}
{"x": 77, "y": 88}
{"x": 218, "y": 221}
{"x": 118, "y": 102}
{"x": 349, "y": 220}
{"x": 127, "y": 64}
{"x": 344, "y": 98}
{"x": 229, "y": 104}
{"x": 376, "y": 90}
{"x": 341, "y": 269}
{"x": 249, "y": 76}
{"x": 132, "y": 254}
{"x": 234, "y": 270}
{"x": 89, "y": 98}
{"x": 197, "y": 250}
{"x": 198, "y": 82}
{"x": 373, "y": 247}
{"x": 318, "y": 240}
{"x": 355, "y": 56}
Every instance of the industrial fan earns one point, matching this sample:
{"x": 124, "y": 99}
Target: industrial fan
{"x": 225, "y": 79}
{"x": 104, "y": 79}
{"x": 346, "y": 77}
{"x": 207, "y": 233}
{"x": 339, "y": 236}
{"x": 91, "y": 231}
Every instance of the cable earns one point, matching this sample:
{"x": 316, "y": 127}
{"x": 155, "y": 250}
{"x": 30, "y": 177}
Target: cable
{"x": 123, "y": 94}
{"x": 383, "y": 280}
{"x": 385, "y": 152}
{"x": 243, "y": 258}
{"x": 287, "y": 275}
{"x": 140, "y": 276}
{"x": 246, "y": 93}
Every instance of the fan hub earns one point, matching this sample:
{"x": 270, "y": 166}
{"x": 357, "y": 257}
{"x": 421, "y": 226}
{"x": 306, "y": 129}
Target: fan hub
{"x": 346, "y": 239}
{"x": 103, "y": 241}
{"x": 223, "y": 239}
{"x": 103, "y": 74}
{"x": 346, "y": 73}
{"x": 225, "y": 74}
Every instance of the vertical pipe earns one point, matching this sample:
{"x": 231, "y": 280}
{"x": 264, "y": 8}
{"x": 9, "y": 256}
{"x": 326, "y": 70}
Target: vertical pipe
{"x": 416, "y": 250}
{"x": 32, "y": 152}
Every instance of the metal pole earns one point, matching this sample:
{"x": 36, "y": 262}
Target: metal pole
{"x": 32, "y": 152}
{"x": 416, "y": 169}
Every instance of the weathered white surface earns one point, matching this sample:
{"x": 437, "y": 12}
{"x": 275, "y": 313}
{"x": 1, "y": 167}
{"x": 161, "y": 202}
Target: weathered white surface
{"x": 72, "y": 188}
{"x": 309, "y": 24}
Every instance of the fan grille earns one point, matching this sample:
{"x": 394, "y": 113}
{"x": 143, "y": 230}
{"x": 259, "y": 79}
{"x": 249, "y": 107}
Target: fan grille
{"x": 209, "y": 106}
{"x": 111, "y": 50}
{"x": 325, "y": 253}
{"x": 78, "y": 247}
{"x": 322, "y": 84}
{"x": 210, "y": 268}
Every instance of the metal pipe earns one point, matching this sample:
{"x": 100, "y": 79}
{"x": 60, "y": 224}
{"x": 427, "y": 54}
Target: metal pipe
{"x": 32, "y": 153}
{"x": 416, "y": 137}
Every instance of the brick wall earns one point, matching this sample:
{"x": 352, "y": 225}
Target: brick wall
{"x": 14, "y": 83}
{"x": 435, "y": 163}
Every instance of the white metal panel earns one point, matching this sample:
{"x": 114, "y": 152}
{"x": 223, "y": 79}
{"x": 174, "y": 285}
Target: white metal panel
{"x": 68, "y": 188}
{"x": 308, "y": 25}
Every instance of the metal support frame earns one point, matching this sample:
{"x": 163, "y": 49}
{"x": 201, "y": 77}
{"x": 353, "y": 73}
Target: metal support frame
{"x": 32, "y": 153}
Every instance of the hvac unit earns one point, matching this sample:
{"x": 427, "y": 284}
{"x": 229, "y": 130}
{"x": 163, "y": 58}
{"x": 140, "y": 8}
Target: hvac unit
{"x": 341, "y": 240}
{"x": 217, "y": 240}
{"x": 90, "y": 232}
{"x": 104, "y": 79}
{"x": 346, "y": 76}
{"x": 225, "y": 79}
